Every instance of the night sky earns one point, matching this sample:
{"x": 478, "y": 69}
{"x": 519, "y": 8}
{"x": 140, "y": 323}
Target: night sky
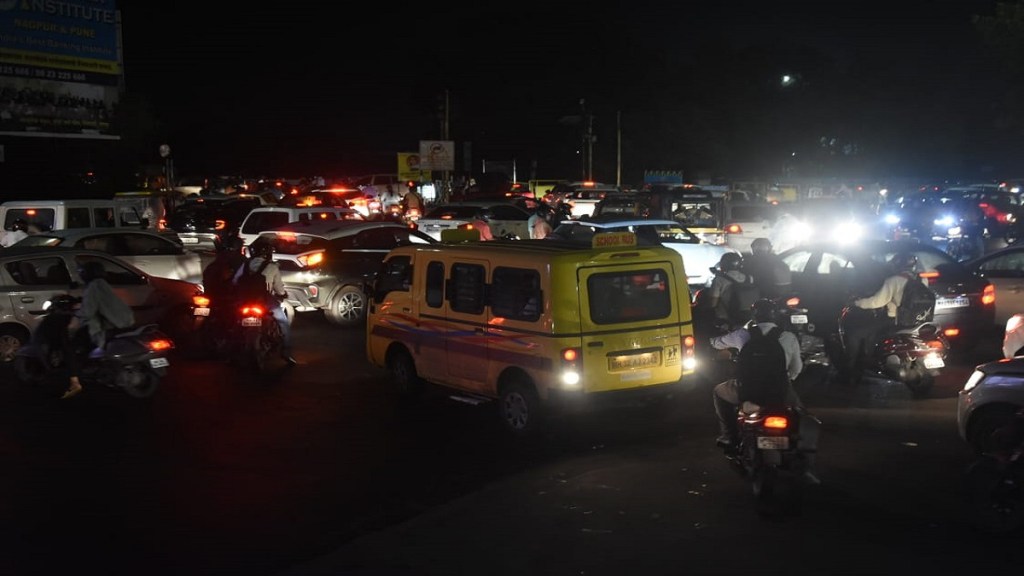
{"x": 301, "y": 88}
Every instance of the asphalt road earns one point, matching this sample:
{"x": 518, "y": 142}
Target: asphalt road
{"x": 319, "y": 469}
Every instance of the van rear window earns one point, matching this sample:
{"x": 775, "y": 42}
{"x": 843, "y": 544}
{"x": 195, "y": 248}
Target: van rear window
{"x": 41, "y": 218}
{"x": 630, "y": 296}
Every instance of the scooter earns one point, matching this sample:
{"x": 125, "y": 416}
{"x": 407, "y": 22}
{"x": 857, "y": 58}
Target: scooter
{"x": 773, "y": 453}
{"x": 134, "y": 361}
{"x": 256, "y": 335}
{"x": 913, "y": 356}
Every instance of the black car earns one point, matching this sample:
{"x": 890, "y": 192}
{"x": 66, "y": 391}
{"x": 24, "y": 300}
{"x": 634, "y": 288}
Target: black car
{"x": 827, "y": 275}
{"x": 207, "y": 221}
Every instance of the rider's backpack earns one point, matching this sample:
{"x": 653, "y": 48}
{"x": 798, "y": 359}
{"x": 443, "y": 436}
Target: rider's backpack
{"x": 739, "y": 297}
{"x": 251, "y": 284}
{"x": 761, "y": 370}
{"x": 917, "y": 305}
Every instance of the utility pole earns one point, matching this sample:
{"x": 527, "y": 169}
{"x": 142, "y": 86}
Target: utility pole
{"x": 618, "y": 148}
{"x": 583, "y": 139}
{"x": 590, "y": 146}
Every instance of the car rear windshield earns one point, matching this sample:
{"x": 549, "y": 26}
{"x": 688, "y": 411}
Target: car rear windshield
{"x": 453, "y": 212}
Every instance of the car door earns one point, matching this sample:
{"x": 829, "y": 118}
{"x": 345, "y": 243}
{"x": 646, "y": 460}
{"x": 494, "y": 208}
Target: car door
{"x": 160, "y": 257}
{"x": 130, "y": 285}
{"x": 33, "y": 280}
{"x": 1005, "y": 270}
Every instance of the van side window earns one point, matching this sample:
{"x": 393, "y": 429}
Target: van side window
{"x": 395, "y": 275}
{"x": 515, "y": 294}
{"x": 630, "y": 296}
{"x": 468, "y": 288}
{"x": 104, "y": 217}
{"x": 435, "y": 284}
{"x": 78, "y": 218}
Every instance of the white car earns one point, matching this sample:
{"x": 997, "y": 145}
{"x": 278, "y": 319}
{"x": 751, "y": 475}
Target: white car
{"x": 267, "y": 217}
{"x": 698, "y": 255}
{"x": 989, "y": 400}
{"x": 506, "y": 219}
{"x": 1004, "y": 268}
{"x": 155, "y": 253}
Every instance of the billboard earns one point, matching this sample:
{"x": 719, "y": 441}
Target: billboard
{"x": 437, "y": 154}
{"x": 60, "y": 67}
{"x": 410, "y": 168}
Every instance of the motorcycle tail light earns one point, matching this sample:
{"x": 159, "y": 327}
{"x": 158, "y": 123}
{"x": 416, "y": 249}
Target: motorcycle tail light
{"x": 252, "y": 310}
{"x": 200, "y": 301}
{"x": 776, "y": 422}
{"x": 935, "y": 344}
{"x": 160, "y": 344}
{"x": 951, "y": 332}
{"x": 793, "y": 302}
{"x": 988, "y": 295}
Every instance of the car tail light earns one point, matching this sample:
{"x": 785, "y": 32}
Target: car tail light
{"x": 988, "y": 295}
{"x": 949, "y": 332}
{"x": 219, "y": 225}
{"x": 733, "y": 229}
{"x": 308, "y": 260}
{"x": 313, "y": 290}
{"x": 776, "y": 422}
{"x": 201, "y": 301}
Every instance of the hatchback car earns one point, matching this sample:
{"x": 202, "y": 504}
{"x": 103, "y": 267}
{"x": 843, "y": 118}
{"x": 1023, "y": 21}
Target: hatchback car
{"x": 155, "y": 253}
{"x": 826, "y": 275}
{"x": 506, "y": 218}
{"x": 207, "y": 221}
{"x": 1005, "y": 270}
{"x": 325, "y": 265}
{"x": 33, "y": 275}
{"x": 698, "y": 256}
{"x": 989, "y": 399}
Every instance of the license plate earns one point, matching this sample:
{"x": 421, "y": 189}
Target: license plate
{"x": 252, "y": 321}
{"x": 798, "y": 319}
{"x": 643, "y": 360}
{"x": 159, "y": 362}
{"x": 187, "y": 240}
{"x": 200, "y": 311}
{"x": 773, "y": 442}
{"x": 957, "y": 302}
{"x": 932, "y": 361}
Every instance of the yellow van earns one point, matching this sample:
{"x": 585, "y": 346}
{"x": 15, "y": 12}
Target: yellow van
{"x": 534, "y": 324}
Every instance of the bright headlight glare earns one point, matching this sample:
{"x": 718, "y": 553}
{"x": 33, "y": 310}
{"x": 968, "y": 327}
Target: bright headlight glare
{"x": 892, "y": 219}
{"x": 571, "y": 379}
{"x": 847, "y": 232}
{"x": 689, "y": 364}
{"x": 944, "y": 221}
{"x": 974, "y": 380}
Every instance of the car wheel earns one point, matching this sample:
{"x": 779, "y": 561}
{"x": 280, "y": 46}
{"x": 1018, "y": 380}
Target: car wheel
{"x": 519, "y": 408}
{"x": 984, "y": 427}
{"x": 11, "y": 338}
{"x": 995, "y": 491}
{"x": 403, "y": 373}
{"x": 348, "y": 307}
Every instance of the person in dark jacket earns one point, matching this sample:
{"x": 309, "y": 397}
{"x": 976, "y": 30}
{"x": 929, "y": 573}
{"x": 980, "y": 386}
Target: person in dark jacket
{"x": 102, "y": 309}
{"x": 218, "y": 274}
{"x": 55, "y": 349}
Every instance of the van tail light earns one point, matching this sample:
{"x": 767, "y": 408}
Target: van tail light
{"x": 571, "y": 373}
{"x": 689, "y": 354}
{"x": 776, "y": 422}
{"x": 988, "y": 295}
{"x": 733, "y": 229}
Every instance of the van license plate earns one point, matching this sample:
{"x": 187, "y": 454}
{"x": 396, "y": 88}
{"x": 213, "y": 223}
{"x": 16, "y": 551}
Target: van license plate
{"x": 253, "y": 321}
{"x": 957, "y": 302}
{"x": 200, "y": 311}
{"x": 773, "y": 442}
{"x": 159, "y": 362}
{"x": 631, "y": 361}
{"x": 798, "y": 319}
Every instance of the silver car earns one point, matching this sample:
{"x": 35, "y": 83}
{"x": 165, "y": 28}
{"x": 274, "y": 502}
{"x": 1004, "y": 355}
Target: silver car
{"x": 988, "y": 401}
{"x": 30, "y": 276}
{"x": 155, "y": 253}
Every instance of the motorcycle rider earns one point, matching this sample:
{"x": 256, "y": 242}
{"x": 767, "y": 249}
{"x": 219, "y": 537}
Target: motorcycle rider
{"x": 55, "y": 348}
{"x": 871, "y": 316}
{"x": 481, "y": 222}
{"x": 726, "y": 394}
{"x": 218, "y": 274}
{"x": 102, "y": 309}
{"x": 730, "y": 265}
{"x": 771, "y": 275}
{"x": 264, "y": 252}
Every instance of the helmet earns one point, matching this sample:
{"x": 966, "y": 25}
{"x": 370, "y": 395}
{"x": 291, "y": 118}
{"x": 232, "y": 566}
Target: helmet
{"x": 92, "y": 270}
{"x": 63, "y": 304}
{"x": 730, "y": 261}
{"x": 20, "y": 224}
{"x": 484, "y": 215}
{"x": 763, "y": 310}
{"x": 761, "y": 246}
{"x": 903, "y": 262}
{"x": 263, "y": 250}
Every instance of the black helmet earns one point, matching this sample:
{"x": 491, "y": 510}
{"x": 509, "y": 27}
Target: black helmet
{"x": 763, "y": 310}
{"x": 903, "y": 262}
{"x": 484, "y": 215}
{"x": 761, "y": 246}
{"x": 20, "y": 224}
{"x": 92, "y": 270}
{"x": 63, "y": 304}
{"x": 730, "y": 261}
{"x": 263, "y": 250}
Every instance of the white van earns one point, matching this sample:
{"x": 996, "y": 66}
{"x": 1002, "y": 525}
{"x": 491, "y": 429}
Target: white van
{"x": 267, "y": 217}
{"x": 46, "y": 215}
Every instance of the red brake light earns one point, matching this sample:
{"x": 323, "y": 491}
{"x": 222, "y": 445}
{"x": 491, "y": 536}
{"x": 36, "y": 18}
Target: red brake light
{"x": 570, "y": 354}
{"x": 161, "y": 344}
{"x": 220, "y": 225}
{"x": 252, "y": 310}
{"x": 776, "y": 422}
{"x": 988, "y": 295}
{"x": 201, "y": 301}
{"x": 733, "y": 229}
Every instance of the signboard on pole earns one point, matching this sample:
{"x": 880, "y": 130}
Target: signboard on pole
{"x": 410, "y": 168}
{"x": 60, "y": 68}
{"x": 437, "y": 154}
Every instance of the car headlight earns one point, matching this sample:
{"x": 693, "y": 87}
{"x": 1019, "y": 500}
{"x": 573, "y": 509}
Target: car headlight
{"x": 847, "y": 232}
{"x": 973, "y": 381}
{"x": 946, "y": 221}
{"x": 892, "y": 219}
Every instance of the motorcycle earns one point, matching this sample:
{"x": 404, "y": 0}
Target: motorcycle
{"x": 913, "y": 356}
{"x": 255, "y": 335}
{"x": 994, "y": 483}
{"x": 773, "y": 453}
{"x": 134, "y": 361}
